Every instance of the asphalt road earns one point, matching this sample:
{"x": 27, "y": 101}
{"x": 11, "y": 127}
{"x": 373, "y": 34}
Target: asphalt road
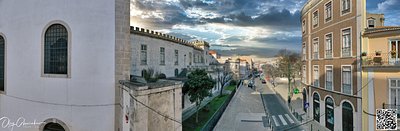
{"x": 280, "y": 116}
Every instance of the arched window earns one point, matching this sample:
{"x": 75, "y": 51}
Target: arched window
{"x": 347, "y": 117}
{"x": 2, "y": 61}
{"x": 56, "y": 50}
{"x": 53, "y": 127}
{"x": 176, "y": 73}
{"x": 304, "y": 99}
{"x": 329, "y": 113}
{"x": 316, "y": 107}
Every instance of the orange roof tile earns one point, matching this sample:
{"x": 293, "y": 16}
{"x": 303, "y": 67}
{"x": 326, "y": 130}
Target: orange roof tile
{"x": 212, "y": 52}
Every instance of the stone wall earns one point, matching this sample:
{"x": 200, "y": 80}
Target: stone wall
{"x": 122, "y": 53}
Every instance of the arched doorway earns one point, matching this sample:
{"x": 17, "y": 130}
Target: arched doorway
{"x": 304, "y": 100}
{"x": 329, "y": 113}
{"x": 316, "y": 107}
{"x": 53, "y": 127}
{"x": 347, "y": 116}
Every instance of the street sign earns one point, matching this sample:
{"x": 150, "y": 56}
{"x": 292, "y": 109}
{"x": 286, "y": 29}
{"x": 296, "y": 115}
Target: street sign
{"x": 296, "y": 91}
{"x": 306, "y": 105}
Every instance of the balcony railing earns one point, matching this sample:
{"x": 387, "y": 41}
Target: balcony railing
{"x": 328, "y": 53}
{"x": 392, "y": 106}
{"x": 384, "y": 59}
{"x": 316, "y": 82}
{"x": 346, "y": 88}
{"x": 315, "y": 55}
{"x": 346, "y": 51}
{"x": 329, "y": 85}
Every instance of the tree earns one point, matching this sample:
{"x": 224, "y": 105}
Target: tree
{"x": 271, "y": 71}
{"x": 286, "y": 59}
{"x": 225, "y": 78}
{"x": 197, "y": 87}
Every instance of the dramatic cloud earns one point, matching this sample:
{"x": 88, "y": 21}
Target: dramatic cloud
{"x": 249, "y": 27}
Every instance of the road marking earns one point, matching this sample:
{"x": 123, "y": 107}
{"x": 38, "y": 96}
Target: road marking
{"x": 276, "y": 122}
{"x": 290, "y": 119}
{"x": 283, "y": 120}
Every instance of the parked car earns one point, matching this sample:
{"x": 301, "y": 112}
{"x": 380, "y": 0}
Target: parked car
{"x": 250, "y": 85}
{"x": 263, "y": 81}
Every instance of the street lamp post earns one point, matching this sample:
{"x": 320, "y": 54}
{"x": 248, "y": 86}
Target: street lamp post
{"x": 289, "y": 83}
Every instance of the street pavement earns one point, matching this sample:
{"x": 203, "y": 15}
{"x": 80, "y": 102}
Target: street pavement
{"x": 279, "y": 114}
{"x": 296, "y": 104}
{"x": 245, "y": 112}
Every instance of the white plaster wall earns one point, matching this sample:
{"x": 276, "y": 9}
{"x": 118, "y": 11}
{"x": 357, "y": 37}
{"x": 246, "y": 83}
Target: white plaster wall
{"x": 153, "y": 55}
{"x": 92, "y": 63}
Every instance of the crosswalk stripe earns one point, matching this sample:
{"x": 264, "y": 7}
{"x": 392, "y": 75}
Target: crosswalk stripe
{"x": 276, "y": 122}
{"x": 283, "y": 120}
{"x": 290, "y": 119}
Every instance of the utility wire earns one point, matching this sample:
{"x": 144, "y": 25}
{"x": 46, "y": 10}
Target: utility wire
{"x": 59, "y": 104}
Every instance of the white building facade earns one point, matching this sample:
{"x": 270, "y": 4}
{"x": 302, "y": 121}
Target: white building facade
{"x": 60, "y": 66}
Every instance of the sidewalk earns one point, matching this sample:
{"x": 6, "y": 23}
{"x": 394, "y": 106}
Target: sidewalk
{"x": 192, "y": 109}
{"x": 244, "y": 112}
{"x": 296, "y": 104}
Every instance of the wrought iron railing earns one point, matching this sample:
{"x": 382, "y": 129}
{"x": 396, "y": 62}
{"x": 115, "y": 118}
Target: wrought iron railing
{"x": 328, "y": 85}
{"x": 346, "y": 88}
{"x": 315, "y": 55}
{"x": 392, "y": 106}
{"x": 328, "y": 53}
{"x": 316, "y": 83}
{"x": 346, "y": 51}
{"x": 384, "y": 59}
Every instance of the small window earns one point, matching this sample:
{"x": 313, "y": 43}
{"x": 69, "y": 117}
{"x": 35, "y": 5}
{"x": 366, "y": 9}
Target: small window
{"x": 371, "y": 23}
{"x": 316, "y": 76}
{"x": 345, "y": 6}
{"x": 329, "y": 78}
{"x": 190, "y": 58}
{"x": 328, "y": 11}
{"x": 304, "y": 26}
{"x": 315, "y": 50}
{"x": 176, "y": 72}
{"x": 304, "y": 51}
{"x": 328, "y": 51}
{"x": 346, "y": 41}
{"x": 315, "y": 18}
{"x": 176, "y": 57}
{"x": 143, "y": 55}
{"x": 346, "y": 79}
{"x": 162, "y": 56}
{"x": 56, "y": 50}
{"x": 143, "y": 73}
{"x": 304, "y": 74}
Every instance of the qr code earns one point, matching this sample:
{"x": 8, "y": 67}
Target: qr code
{"x": 386, "y": 119}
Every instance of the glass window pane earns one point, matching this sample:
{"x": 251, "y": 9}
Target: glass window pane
{"x": 392, "y": 83}
{"x": 392, "y": 96}
{"x": 398, "y": 83}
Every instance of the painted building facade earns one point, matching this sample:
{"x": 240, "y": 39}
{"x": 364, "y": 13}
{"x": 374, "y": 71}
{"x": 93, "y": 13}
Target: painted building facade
{"x": 380, "y": 70}
{"x": 331, "y": 64}
{"x": 69, "y": 62}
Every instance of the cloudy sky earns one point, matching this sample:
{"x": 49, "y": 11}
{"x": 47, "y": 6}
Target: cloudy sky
{"x": 256, "y": 28}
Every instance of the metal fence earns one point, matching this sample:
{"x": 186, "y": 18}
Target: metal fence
{"x": 217, "y": 115}
{"x": 383, "y": 59}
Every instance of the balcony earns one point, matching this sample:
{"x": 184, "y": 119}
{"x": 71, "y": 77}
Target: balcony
{"x": 328, "y": 53}
{"x": 315, "y": 55}
{"x": 316, "y": 83}
{"x": 346, "y": 51}
{"x": 385, "y": 59}
{"x": 346, "y": 88}
{"x": 328, "y": 85}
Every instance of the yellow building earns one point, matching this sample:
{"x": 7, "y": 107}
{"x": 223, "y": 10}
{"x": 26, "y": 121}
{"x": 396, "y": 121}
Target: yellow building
{"x": 380, "y": 69}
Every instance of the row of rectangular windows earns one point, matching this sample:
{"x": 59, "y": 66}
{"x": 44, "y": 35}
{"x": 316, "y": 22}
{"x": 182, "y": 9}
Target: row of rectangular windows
{"x": 345, "y": 78}
{"x": 328, "y": 13}
{"x": 346, "y": 45}
{"x": 143, "y": 56}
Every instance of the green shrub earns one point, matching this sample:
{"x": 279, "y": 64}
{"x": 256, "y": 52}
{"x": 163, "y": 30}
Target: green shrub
{"x": 216, "y": 98}
{"x": 233, "y": 82}
{"x": 149, "y": 77}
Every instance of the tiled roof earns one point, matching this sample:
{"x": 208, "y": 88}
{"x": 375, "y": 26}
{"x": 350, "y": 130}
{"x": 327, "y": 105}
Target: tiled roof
{"x": 212, "y": 52}
{"x": 381, "y": 29}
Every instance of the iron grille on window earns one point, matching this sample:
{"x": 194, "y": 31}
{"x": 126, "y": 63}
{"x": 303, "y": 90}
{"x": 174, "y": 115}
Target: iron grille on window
{"x": 56, "y": 50}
